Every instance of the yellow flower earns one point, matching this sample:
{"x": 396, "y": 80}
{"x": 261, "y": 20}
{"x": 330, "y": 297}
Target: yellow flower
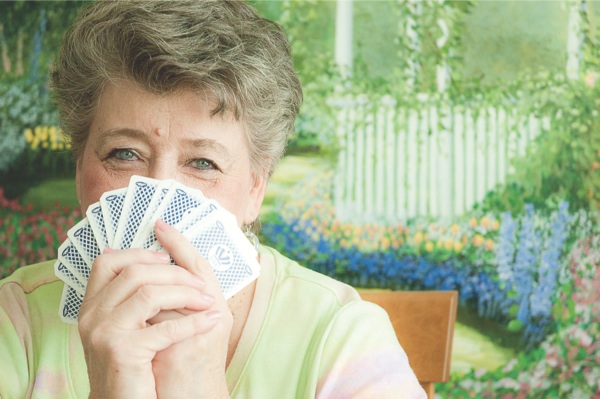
{"x": 53, "y": 145}
{"x": 28, "y": 135}
{"x": 495, "y": 225}
{"x": 477, "y": 240}
{"x": 454, "y": 229}
{"x": 473, "y": 222}
{"x": 52, "y": 132}
{"x": 489, "y": 244}
{"x": 485, "y": 222}
{"x": 35, "y": 143}
{"x": 44, "y": 136}
{"x": 449, "y": 244}
{"x": 457, "y": 246}
{"x": 385, "y": 243}
{"x": 418, "y": 238}
{"x": 428, "y": 246}
{"x": 336, "y": 225}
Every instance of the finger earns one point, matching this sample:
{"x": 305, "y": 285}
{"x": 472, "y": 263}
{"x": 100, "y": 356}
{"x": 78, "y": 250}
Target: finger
{"x": 169, "y": 314}
{"x": 149, "y": 300}
{"x": 168, "y": 332}
{"x": 181, "y": 249}
{"x": 109, "y": 264}
{"x": 133, "y": 277}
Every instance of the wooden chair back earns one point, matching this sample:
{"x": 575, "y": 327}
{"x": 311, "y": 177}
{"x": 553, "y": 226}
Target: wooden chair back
{"x": 424, "y": 323}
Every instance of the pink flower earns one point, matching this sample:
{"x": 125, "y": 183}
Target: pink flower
{"x": 591, "y": 78}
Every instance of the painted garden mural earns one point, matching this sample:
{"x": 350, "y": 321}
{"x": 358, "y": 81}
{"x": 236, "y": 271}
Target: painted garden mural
{"x": 442, "y": 145}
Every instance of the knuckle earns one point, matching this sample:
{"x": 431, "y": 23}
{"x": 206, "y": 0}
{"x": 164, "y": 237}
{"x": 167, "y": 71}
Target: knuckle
{"x": 146, "y": 294}
{"x": 129, "y": 273}
{"x": 99, "y": 262}
{"x": 170, "y": 329}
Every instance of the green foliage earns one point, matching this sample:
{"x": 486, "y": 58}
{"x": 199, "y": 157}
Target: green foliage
{"x": 509, "y": 196}
{"x": 314, "y": 60}
{"x": 21, "y": 104}
{"x": 563, "y": 162}
{"x": 20, "y": 20}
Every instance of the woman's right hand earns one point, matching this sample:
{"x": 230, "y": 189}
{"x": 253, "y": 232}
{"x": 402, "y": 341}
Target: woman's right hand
{"x": 127, "y": 288}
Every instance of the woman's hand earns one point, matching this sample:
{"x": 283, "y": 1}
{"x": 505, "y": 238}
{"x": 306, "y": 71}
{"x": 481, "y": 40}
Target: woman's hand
{"x": 126, "y": 289}
{"x": 193, "y": 367}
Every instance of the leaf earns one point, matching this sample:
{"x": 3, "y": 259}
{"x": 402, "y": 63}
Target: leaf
{"x": 515, "y": 325}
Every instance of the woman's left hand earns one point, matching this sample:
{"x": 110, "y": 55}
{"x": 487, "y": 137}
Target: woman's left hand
{"x": 195, "y": 367}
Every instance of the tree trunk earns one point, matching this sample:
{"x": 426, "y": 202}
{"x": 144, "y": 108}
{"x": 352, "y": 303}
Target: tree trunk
{"x": 20, "y": 39}
{"x": 6, "y": 64}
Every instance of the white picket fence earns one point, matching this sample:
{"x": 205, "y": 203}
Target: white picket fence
{"x": 396, "y": 163}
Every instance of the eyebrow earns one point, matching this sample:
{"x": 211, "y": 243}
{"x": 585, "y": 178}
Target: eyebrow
{"x": 114, "y": 133}
{"x": 142, "y": 135}
{"x": 208, "y": 143}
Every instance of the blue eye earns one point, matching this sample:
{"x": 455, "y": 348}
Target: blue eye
{"x": 123, "y": 154}
{"x": 203, "y": 164}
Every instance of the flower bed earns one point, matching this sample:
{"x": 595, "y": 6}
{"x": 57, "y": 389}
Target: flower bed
{"x": 504, "y": 266}
{"x": 567, "y": 363}
{"x": 29, "y": 236}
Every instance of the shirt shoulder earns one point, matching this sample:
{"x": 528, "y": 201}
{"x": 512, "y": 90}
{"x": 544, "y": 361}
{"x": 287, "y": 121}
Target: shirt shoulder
{"x": 293, "y": 277}
{"x": 29, "y": 278}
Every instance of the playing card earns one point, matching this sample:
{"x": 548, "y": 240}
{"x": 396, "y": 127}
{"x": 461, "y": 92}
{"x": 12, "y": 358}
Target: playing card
{"x": 96, "y": 220}
{"x": 112, "y": 203}
{"x": 194, "y": 216}
{"x": 140, "y": 192}
{"x": 172, "y": 209}
{"x": 145, "y": 235}
{"x": 72, "y": 259}
{"x": 70, "y": 302}
{"x": 126, "y": 218}
{"x": 220, "y": 241}
{"x": 82, "y": 237}
{"x": 61, "y": 271}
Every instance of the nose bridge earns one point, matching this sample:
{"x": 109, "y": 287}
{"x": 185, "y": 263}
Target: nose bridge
{"x": 163, "y": 167}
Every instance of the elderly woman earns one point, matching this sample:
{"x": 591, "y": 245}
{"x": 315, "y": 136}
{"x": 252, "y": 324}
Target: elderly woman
{"x": 202, "y": 92}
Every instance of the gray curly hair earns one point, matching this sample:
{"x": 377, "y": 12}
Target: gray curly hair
{"x": 222, "y": 49}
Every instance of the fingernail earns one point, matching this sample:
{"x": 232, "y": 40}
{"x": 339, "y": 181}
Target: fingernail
{"x": 198, "y": 280}
{"x": 162, "y": 225}
{"x": 161, "y": 256}
{"x": 108, "y": 250}
{"x": 208, "y": 298}
{"x": 214, "y": 315}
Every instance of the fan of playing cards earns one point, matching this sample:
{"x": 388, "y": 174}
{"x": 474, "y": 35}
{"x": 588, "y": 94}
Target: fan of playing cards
{"x": 125, "y": 218}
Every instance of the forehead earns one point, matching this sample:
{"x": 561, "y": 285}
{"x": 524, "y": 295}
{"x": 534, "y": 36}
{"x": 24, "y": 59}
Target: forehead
{"x": 183, "y": 113}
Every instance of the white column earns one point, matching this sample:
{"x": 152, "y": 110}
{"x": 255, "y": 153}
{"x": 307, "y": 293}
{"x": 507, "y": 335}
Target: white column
{"x": 343, "y": 36}
{"x": 415, "y": 45}
{"x": 574, "y": 38}
{"x": 442, "y": 70}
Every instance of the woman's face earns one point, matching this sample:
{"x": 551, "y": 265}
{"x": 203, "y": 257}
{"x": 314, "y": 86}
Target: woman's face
{"x": 168, "y": 137}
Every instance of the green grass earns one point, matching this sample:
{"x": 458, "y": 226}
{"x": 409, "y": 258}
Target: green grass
{"x": 46, "y": 194}
{"x": 474, "y": 345}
